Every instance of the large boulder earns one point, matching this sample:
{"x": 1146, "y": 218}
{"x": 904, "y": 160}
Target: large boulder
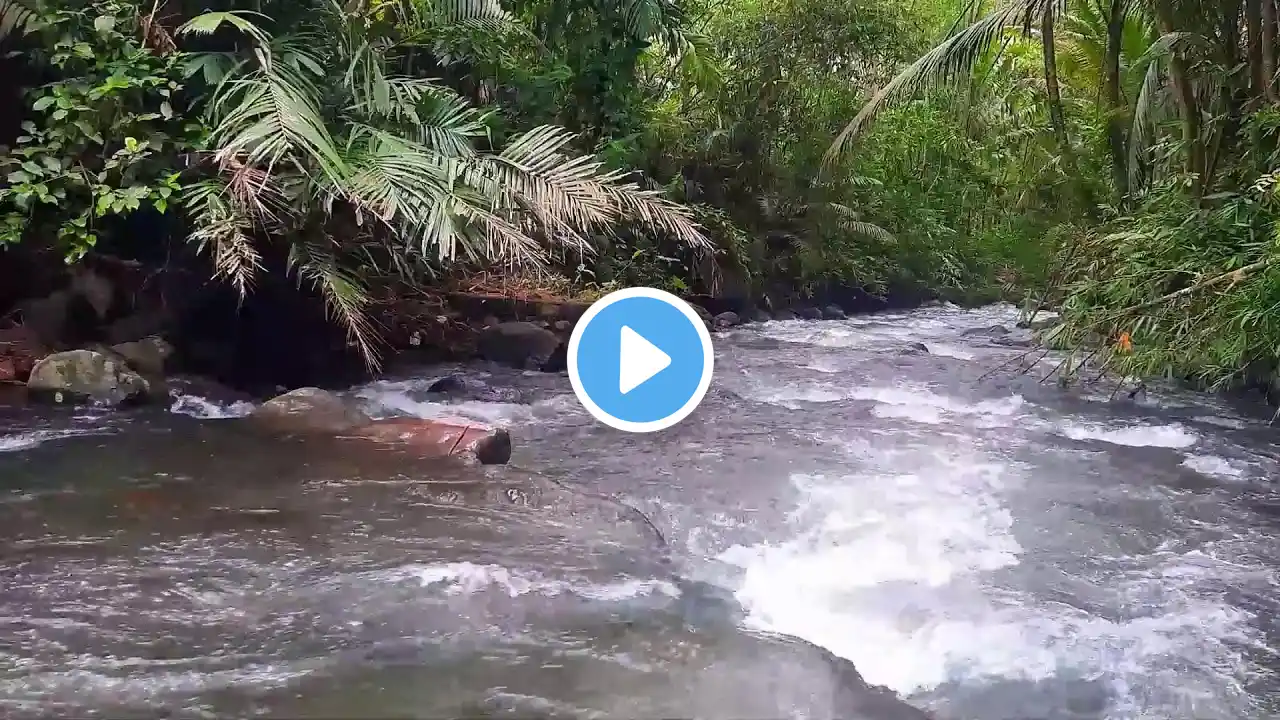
{"x": 518, "y": 344}
{"x": 833, "y": 312}
{"x": 809, "y": 313}
{"x": 148, "y": 355}
{"x": 438, "y": 438}
{"x": 726, "y": 319}
{"x": 310, "y": 410}
{"x": 78, "y": 375}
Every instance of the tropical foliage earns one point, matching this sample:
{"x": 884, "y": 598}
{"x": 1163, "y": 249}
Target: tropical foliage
{"x": 1115, "y": 156}
{"x": 1162, "y": 116}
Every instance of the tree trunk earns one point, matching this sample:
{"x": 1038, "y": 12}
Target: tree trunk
{"x": 1116, "y": 138}
{"x": 1253, "y": 41}
{"x": 1269, "y": 49}
{"x": 1057, "y": 119}
{"x": 1189, "y": 107}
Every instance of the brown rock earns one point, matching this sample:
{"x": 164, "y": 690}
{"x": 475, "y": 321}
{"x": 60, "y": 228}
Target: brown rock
{"x": 147, "y": 355}
{"x": 518, "y": 344}
{"x": 19, "y": 349}
{"x": 8, "y": 372}
{"x": 310, "y": 410}
{"x": 438, "y": 438}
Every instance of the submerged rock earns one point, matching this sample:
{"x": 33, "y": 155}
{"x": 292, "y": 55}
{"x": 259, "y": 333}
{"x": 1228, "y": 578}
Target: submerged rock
{"x": 79, "y": 375}
{"x": 460, "y": 387}
{"x": 915, "y": 348}
{"x": 522, "y": 345}
{"x": 989, "y": 331}
{"x": 784, "y": 314}
{"x": 810, "y": 313}
{"x": 833, "y": 312}
{"x": 439, "y": 438}
{"x": 310, "y": 409}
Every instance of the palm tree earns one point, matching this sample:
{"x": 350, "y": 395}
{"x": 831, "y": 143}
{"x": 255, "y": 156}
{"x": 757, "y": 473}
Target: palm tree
{"x": 318, "y": 142}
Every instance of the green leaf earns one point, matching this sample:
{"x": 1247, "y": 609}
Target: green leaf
{"x": 43, "y": 103}
{"x": 161, "y": 204}
{"x": 104, "y": 23}
{"x": 17, "y": 177}
{"x": 166, "y": 110}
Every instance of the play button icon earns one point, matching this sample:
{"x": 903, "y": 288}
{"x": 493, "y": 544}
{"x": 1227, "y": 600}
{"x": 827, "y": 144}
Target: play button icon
{"x": 640, "y": 360}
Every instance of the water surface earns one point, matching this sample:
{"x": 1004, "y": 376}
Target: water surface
{"x": 990, "y": 550}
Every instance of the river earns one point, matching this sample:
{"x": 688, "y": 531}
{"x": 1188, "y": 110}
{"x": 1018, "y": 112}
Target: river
{"x": 990, "y": 549}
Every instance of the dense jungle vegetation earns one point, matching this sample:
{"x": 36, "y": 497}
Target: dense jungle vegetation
{"x": 1113, "y": 158}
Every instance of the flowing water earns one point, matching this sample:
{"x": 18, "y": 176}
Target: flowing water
{"x": 994, "y": 549}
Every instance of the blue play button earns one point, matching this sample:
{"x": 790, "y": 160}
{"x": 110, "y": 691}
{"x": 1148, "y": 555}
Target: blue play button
{"x": 640, "y": 360}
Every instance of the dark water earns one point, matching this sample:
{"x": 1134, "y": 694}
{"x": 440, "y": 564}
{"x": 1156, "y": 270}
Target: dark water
{"x": 998, "y": 550}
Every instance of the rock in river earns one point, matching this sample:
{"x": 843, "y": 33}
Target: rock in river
{"x": 460, "y": 387}
{"x": 437, "y": 438}
{"x": 312, "y": 410}
{"x": 148, "y": 355}
{"x": 726, "y": 319}
{"x": 518, "y": 344}
{"x": 77, "y": 375}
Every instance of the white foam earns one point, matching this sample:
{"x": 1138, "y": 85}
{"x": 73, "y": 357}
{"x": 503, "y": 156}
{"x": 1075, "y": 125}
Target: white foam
{"x": 951, "y": 351}
{"x": 892, "y": 572}
{"x": 1221, "y": 421}
{"x": 926, "y": 414}
{"x": 199, "y": 407}
{"x": 466, "y": 578}
{"x": 25, "y": 440}
{"x": 870, "y": 561}
{"x": 1213, "y": 466}
{"x": 388, "y": 398}
{"x": 791, "y": 395}
{"x": 1172, "y": 435}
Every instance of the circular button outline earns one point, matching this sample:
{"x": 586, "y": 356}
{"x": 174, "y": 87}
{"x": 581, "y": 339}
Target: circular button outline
{"x": 708, "y": 360}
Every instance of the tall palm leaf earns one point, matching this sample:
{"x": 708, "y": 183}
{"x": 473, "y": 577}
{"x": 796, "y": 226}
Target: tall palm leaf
{"x": 313, "y": 127}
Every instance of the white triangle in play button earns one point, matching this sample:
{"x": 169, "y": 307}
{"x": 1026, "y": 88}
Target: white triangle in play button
{"x": 638, "y": 360}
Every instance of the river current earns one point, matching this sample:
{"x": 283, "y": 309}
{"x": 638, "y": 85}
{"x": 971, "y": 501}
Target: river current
{"x": 989, "y": 548}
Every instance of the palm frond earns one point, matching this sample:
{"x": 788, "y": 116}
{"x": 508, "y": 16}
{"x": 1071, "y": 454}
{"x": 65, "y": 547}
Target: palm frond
{"x": 955, "y": 57}
{"x": 15, "y": 17}
{"x": 225, "y": 232}
{"x": 567, "y": 194}
{"x": 210, "y": 22}
{"x": 852, "y": 221}
{"x": 1146, "y": 112}
{"x": 346, "y": 298}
